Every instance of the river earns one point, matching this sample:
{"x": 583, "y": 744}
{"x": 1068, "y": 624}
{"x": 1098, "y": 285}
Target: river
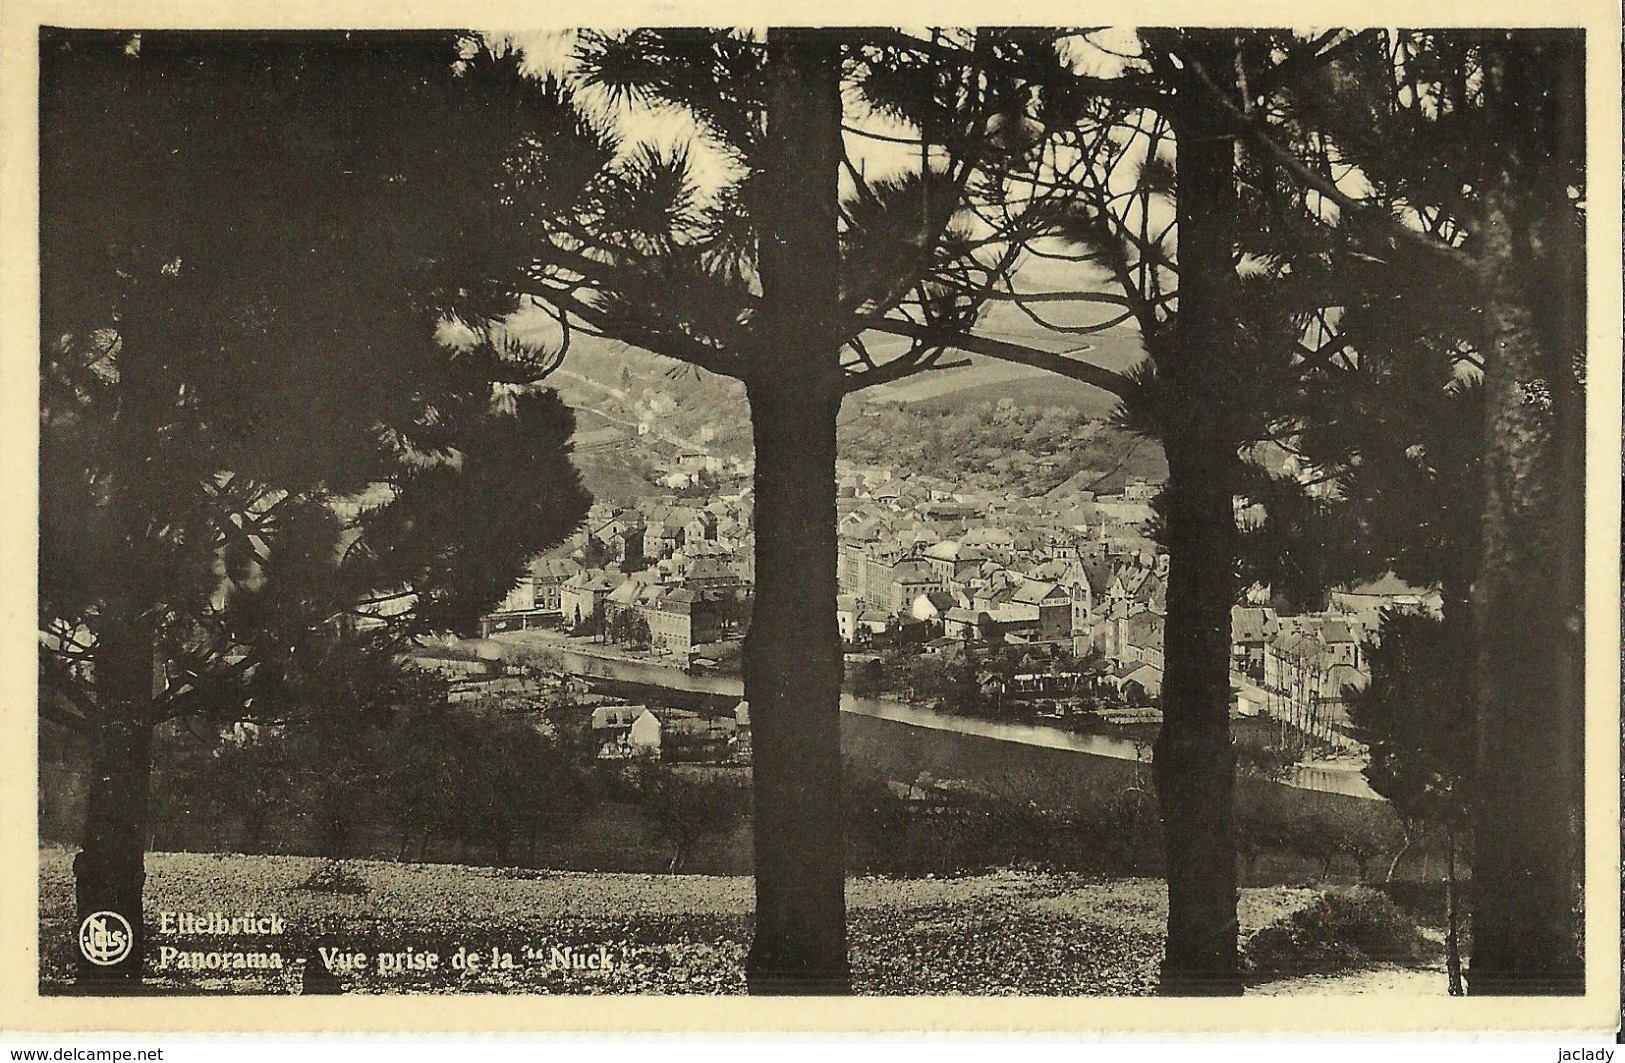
{"x": 1348, "y": 782}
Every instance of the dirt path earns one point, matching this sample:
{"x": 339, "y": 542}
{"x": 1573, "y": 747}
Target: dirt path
{"x": 1386, "y": 980}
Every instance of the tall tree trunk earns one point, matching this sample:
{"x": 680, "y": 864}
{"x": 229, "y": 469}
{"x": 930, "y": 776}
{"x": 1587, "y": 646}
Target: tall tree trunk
{"x": 1194, "y": 764}
{"x": 1452, "y": 919}
{"x": 792, "y": 671}
{"x": 109, "y": 870}
{"x": 792, "y": 657}
{"x": 1393, "y": 865}
{"x": 1528, "y": 601}
{"x": 1530, "y": 758}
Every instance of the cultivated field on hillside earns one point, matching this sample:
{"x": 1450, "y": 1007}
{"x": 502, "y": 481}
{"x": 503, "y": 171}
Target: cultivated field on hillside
{"x": 987, "y": 380}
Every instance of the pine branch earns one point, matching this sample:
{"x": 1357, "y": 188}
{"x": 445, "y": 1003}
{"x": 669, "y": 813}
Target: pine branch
{"x": 1257, "y": 132}
{"x": 1004, "y": 351}
{"x": 1130, "y": 89}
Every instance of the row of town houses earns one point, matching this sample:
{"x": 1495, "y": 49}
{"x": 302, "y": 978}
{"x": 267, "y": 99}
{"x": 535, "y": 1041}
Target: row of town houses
{"x": 685, "y": 569}
{"x": 1111, "y": 598}
{"x": 685, "y": 605}
{"x": 625, "y": 731}
{"x": 1096, "y": 597}
{"x": 965, "y": 567}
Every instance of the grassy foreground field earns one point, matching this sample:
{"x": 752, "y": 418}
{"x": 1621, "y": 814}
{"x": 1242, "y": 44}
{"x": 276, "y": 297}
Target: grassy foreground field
{"x": 1001, "y": 933}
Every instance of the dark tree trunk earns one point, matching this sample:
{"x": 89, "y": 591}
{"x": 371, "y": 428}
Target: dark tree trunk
{"x": 255, "y": 819}
{"x": 109, "y": 868}
{"x": 337, "y": 825}
{"x": 1528, "y": 601}
{"x": 792, "y": 667}
{"x": 1530, "y": 757}
{"x": 1194, "y": 765}
{"x": 792, "y": 657}
{"x": 1393, "y": 866}
{"x": 1452, "y": 920}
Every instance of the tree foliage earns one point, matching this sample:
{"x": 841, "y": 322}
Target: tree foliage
{"x": 1416, "y": 721}
{"x": 275, "y": 405}
{"x": 686, "y": 806}
{"x": 253, "y": 423}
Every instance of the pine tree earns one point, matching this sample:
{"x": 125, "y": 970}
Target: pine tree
{"x": 1219, "y": 345}
{"x": 1417, "y": 722}
{"x": 273, "y": 414}
{"x": 1473, "y": 146}
{"x": 776, "y": 279}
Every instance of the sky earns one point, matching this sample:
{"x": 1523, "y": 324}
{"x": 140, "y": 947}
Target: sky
{"x": 638, "y": 124}
{"x": 1102, "y": 53}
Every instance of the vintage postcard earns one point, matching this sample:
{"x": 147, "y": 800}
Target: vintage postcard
{"x": 1043, "y": 518}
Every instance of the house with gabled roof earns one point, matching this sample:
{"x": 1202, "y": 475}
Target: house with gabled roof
{"x": 1137, "y": 681}
{"x": 1310, "y": 663}
{"x": 680, "y": 619}
{"x": 1142, "y": 637}
{"x": 1251, "y": 629}
{"x": 1054, "y": 605}
{"x": 909, "y": 578}
{"x": 872, "y": 622}
{"x": 547, "y": 575}
{"x": 930, "y": 606}
{"x": 1152, "y": 592}
{"x": 710, "y": 573}
{"x": 612, "y": 719}
{"x": 583, "y": 594}
{"x": 847, "y": 608}
{"x": 1367, "y": 600}
{"x": 962, "y": 623}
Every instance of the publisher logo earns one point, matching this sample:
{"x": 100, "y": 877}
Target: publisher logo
{"x": 105, "y": 938}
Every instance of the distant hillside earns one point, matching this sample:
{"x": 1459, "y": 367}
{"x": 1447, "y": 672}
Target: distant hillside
{"x": 617, "y": 477}
{"x": 687, "y": 407}
{"x": 992, "y": 425}
{"x": 1001, "y": 447}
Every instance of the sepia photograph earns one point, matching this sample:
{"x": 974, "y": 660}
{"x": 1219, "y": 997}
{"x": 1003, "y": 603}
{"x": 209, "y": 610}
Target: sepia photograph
{"x": 817, "y": 511}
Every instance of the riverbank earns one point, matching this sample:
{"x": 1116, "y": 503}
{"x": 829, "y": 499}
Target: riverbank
{"x": 1129, "y": 751}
